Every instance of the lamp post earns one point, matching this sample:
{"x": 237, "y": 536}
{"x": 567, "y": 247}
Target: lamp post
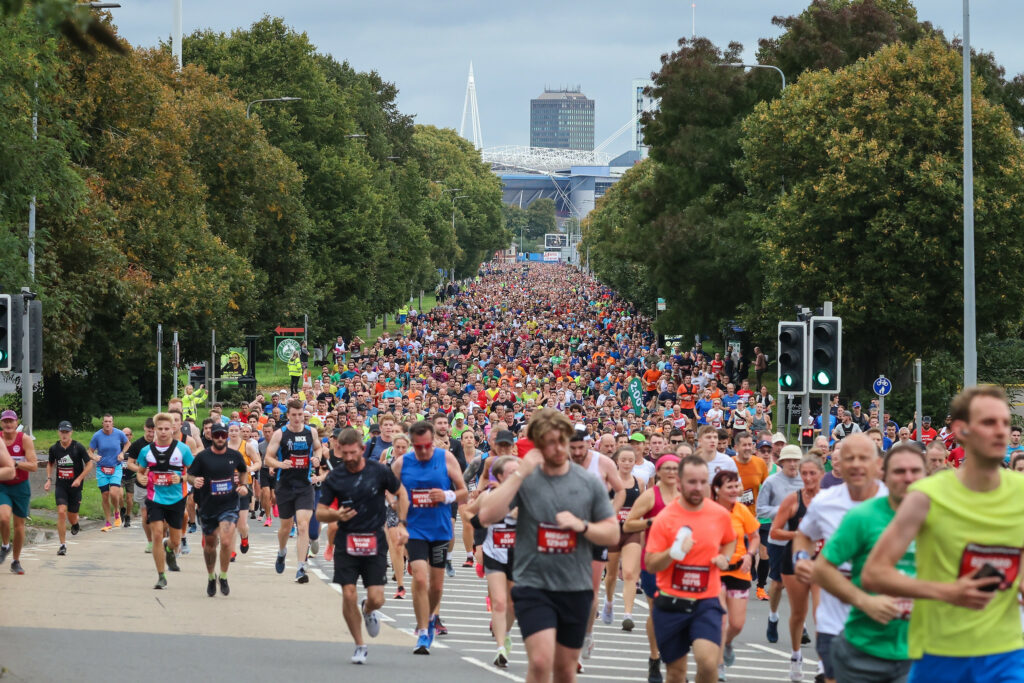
{"x": 758, "y": 66}
{"x": 248, "y": 107}
{"x": 970, "y": 323}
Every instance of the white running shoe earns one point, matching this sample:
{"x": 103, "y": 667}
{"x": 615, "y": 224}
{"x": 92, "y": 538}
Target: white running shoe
{"x": 372, "y": 621}
{"x": 608, "y": 612}
{"x": 359, "y": 656}
{"x": 588, "y": 645}
{"x": 796, "y": 672}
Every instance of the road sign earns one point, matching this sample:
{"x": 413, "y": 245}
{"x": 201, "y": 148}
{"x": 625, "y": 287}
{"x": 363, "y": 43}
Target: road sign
{"x": 882, "y": 386}
{"x": 552, "y": 256}
{"x": 285, "y": 349}
{"x": 289, "y": 330}
{"x": 636, "y": 395}
{"x": 661, "y": 304}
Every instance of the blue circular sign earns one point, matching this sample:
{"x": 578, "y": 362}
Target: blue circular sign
{"x": 882, "y": 386}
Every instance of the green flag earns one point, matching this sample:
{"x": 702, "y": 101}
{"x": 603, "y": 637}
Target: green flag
{"x": 636, "y": 395}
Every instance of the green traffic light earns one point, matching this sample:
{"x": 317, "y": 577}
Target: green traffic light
{"x": 823, "y": 378}
{"x": 786, "y": 380}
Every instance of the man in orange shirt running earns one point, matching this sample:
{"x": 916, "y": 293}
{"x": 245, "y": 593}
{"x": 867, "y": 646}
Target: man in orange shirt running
{"x": 688, "y": 546}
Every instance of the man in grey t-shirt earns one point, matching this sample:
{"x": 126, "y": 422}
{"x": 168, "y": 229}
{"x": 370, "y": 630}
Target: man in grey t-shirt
{"x": 563, "y": 510}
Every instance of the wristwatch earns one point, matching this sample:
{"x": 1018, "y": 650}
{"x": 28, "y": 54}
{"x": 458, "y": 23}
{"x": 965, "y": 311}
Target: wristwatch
{"x": 800, "y": 555}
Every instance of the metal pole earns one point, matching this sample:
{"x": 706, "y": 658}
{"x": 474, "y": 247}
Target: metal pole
{"x": 26, "y": 374}
{"x": 881, "y": 413}
{"x": 970, "y": 324}
{"x": 805, "y": 414}
{"x": 917, "y": 398}
{"x": 176, "y": 32}
{"x": 159, "y": 367}
{"x": 213, "y": 367}
{"x": 305, "y": 327}
{"x": 789, "y": 414}
{"x": 176, "y": 360}
{"x": 32, "y": 211}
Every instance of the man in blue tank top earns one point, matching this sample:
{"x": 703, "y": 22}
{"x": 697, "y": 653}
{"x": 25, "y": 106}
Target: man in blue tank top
{"x": 433, "y": 478}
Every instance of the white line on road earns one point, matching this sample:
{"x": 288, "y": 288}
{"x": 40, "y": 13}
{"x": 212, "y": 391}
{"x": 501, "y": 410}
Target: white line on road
{"x": 787, "y": 655}
{"x": 493, "y": 670}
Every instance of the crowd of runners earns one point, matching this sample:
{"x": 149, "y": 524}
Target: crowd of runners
{"x": 507, "y": 408}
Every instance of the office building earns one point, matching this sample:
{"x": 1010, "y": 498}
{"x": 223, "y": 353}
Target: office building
{"x": 641, "y": 103}
{"x": 562, "y": 119}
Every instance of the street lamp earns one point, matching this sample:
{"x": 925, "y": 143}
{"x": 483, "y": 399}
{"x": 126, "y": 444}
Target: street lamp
{"x": 970, "y": 322}
{"x": 248, "y": 107}
{"x": 758, "y": 66}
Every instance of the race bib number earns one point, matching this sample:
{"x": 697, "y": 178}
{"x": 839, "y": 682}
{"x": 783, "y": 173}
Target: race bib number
{"x": 906, "y": 606}
{"x": 420, "y": 498}
{"x": 554, "y": 541}
{"x": 299, "y": 461}
{"x": 361, "y": 545}
{"x": 623, "y": 514}
{"x": 108, "y": 470}
{"x": 163, "y": 478}
{"x": 690, "y": 579}
{"x": 503, "y": 537}
{"x": 747, "y": 497}
{"x": 219, "y": 487}
{"x": 818, "y": 545}
{"x": 1005, "y": 559}
{"x": 65, "y": 473}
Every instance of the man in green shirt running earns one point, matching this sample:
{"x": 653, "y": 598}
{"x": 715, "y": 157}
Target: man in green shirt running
{"x": 873, "y": 645}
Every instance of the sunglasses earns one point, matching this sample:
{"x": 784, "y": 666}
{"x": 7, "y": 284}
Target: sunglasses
{"x": 676, "y": 441}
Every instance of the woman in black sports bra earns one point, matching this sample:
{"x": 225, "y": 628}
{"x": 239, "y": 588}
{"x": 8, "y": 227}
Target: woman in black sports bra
{"x": 629, "y": 547}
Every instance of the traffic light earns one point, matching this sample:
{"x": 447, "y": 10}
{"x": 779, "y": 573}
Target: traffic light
{"x": 826, "y": 354}
{"x": 792, "y": 357}
{"x": 5, "y": 333}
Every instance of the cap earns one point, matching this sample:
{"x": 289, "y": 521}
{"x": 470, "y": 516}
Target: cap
{"x": 505, "y": 436}
{"x": 8, "y": 415}
{"x": 460, "y": 416}
{"x": 764, "y": 443}
{"x": 283, "y": 391}
{"x": 637, "y": 436}
{"x": 779, "y": 436}
{"x": 856, "y": 404}
{"x": 580, "y": 427}
{"x": 926, "y": 419}
{"x": 64, "y": 426}
{"x": 791, "y": 452}
{"x": 218, "y": 428}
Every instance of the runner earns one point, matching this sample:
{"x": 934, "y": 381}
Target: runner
{"x": 773, "y": 492}
{"x": 688, "y": 545}
{"x": 764, "y": 454}
{"x": 707, "y": 450}
{"x": 784, "y": 528}
{"x": 872, "y": 647}
{"x": 628, "y": 549}
{"x": 396, "y": 547}
{"x": 15, "y": 493}
{"x": 727, "y": 491}
{"x": 268, "y": 478}
{"x": 433, "y": 478}
{"x": 106, "y": 448}
{"x": 131, "y": 463}
{"x": 353, "y": 497}
{"x": 218, "y": 474}
{"x": 861, "y": 466}
{"x": 239, "y": 439}
{"x": 299, "y": 449}
{"x": 968, "y": 524}
{"x": 164, "y": 463}
{"x": 442, "y": 440}
{"x": 127, "y": 486}
{"x": 73, "y": 465}
{"x": 185, "y": 432}
{"x": 562, "y": 511}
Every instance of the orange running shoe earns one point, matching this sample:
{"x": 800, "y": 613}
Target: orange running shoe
{"x": 762, "y": 594}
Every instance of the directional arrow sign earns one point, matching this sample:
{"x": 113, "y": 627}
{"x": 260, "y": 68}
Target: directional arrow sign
{"x": 288, "y": 330}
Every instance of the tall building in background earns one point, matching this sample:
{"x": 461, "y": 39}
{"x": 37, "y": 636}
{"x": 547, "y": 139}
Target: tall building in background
{"x": 641, "y": 103}
{"x": 562, "y": 119}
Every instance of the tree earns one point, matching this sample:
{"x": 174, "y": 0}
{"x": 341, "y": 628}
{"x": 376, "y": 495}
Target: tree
{"x": 855, "y": 186}
{"x": 540, "y": 218}
{"x": 515, "y": 221}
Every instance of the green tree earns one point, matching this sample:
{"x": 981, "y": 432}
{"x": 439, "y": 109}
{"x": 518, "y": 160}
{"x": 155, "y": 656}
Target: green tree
{"x": 540, "y": 218}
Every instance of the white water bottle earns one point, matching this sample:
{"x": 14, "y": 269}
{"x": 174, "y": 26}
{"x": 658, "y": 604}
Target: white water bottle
{"x": 676, "y": 552}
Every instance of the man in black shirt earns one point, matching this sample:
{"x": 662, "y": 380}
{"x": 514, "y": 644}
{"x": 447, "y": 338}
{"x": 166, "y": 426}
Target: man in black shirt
{"x": 353, "y": 497}
{"x": 73, "y": 465}
{"x": 215, "y": 474}
{"x": 131, "y": 458}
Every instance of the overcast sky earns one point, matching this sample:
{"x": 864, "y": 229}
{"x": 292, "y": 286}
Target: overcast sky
{"x": 425, "y": 46}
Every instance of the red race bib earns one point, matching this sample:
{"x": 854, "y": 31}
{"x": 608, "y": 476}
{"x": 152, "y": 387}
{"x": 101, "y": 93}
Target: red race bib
{"x": 163, "y": 478}
{"x": 555, "y": 541}
{"x": 690, "y": 579}
{"x": 361, "y": 545}
{"x": 503, "y": 536}
{"x": 420, "y": 498}
{"x": 906, "y": 606}
{"x": 108, "y": 470}
{"x": 818, "y": 545}
{"x": 1005, "y": 559}
{"x": 65, "y": 473}
{"x": 299, "y": 461}
{"x": 623, "y": 514}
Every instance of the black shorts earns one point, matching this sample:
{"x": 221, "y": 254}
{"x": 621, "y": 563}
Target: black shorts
{"x": 675, "y": 631}
{"x": 210, "y": 523}
{"x": 245, "y": 501}
{"x": 479, "y": 536}
{"x": 434, "y": 552}
{"x": 289, "y": 500}
{"x": 372, "y": 569}
{"x": 66, "y": 494}
{"x": 731, "y": 583}
{"x": 266, "y": 479}
{"x": 598, "y": 553}
{"x": 776, "y": 557}
{"x": 492, "y": 565}
{"x": 173, "y": 514}
{"x": 568, "y": 612}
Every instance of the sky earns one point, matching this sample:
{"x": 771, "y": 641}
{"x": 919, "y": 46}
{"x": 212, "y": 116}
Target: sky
{"x": 517, "y": 49}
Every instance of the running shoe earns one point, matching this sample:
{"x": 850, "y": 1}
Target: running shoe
{"x": 244, "y": 545}
{"x": 627, "y": 623}
{"x": 487, "y": 601}
{"x": 75, "y": 528}
{"x": 762, "y": 594}
{"x": 117, "y": 520}
{"x": 654, "y": 671}
{"x": 449, "y": 569}
{"x": 149, "y": 547}
{"x": 291, "y": 533}
{"x": 422, "y": 645}
{"x": 314, "y": 547}
{"x": 161, "y": 583}
{"x": 301, "y": 576}
{"x": 252, "y": 514}
{"x": 16, "y": 567}
{"x": 279, "y": 563}
{"x": 224, "y": 588}
{"x": 4, "y": 550}
{"x": 508, "y": 643}
{"x": 607, "y": 612}
{"x": 469, "y": 561}
{"x": 480, "y": 570}
{"x": 431, "y": 629}
{"x": 359, "y": 656}
{"x": 728, "y": 655}
{"x": 400, "y": 593}
{"x": 233, "y": 555}
{"x": 441, "y": 629}
{"x": 579, "y": 666}
{"x": 172, "y": 561}
{"x": 772, "y": 635}
{"x": 329, "y": 554}
{"x": 721, "y": 673}
{"x": 211, "y": 587}
{"x": 796, "y": 669}
{"x": 588, "y": 645}
{"x": 185, "y": 550}
{"x": 62, "y": 550}
{"x": 192, "y": 528}
{"x": 805, "y": 638}
{"x": 371, "y": 620}
{"x": 501, "y": 658}
{"x": 127, "y": 521}
{"x": 267, "y": 522}
{"x": 819, "y": 678}
{"x": 107, "y": 527}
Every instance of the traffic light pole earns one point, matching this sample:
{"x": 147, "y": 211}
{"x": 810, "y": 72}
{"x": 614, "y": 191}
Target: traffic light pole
{"x": 26, "y": 374}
